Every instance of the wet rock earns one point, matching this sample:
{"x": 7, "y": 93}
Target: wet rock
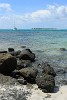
{"x": 23, "y": 46}
{"x": 62, "y": 49}
{"x": 29, "y": 50}
{"x": 46, "y": 82}
{"x": 27, "y": 55}
{"x": 7, "y": 63}
{"x": 47, "y": 69}
{"x": 10, "y": 49}
{"x": 23, "y": 63}
{"x": 29, "y": 74}
{"x": 3, "y": 51}
{"x": 22, "y": 81}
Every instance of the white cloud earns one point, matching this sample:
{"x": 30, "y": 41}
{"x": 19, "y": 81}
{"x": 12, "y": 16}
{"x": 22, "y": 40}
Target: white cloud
{"x": 40, "y": 14}
{"x": 58, "y": 11}
{"x": 51, "y": 13}
{"x": 5, "y": 6}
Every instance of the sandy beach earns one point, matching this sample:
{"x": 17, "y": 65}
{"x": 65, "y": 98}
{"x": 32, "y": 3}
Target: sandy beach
{"x": 19, "y": 92}
{"x": 39, "y": 95}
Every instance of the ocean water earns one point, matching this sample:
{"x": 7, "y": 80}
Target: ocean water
{"x": 47, "y": 40}
{"x": 45, "y": 44}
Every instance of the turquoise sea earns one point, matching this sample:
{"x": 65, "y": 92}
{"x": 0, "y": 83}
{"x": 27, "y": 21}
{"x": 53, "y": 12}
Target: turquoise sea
{"x": 45, "y": 44}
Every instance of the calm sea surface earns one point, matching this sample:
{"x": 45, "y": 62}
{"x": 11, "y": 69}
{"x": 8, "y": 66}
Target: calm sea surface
{"x": 45, "y": 44}
{"x": 49, "y": 40}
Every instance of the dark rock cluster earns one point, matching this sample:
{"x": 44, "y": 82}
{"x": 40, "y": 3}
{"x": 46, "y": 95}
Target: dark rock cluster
{"x": 18, "y": 64}
{"x": 45, "y": 80}
{"x": 8, "y": 63}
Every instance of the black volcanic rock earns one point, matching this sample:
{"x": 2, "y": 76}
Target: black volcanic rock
{"x": 29, "y": 74}
{"x": 10, "y": 49}
{"x": 46, "y": 82}
{"x": 8, "y": 63}
{"x": 27, "y": 54}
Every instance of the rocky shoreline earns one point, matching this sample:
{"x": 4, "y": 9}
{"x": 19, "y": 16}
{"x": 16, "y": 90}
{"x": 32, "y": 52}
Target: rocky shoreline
{"x": 17, "y": 69}
{"x": 18, "y": 65}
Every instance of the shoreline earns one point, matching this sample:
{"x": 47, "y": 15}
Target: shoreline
{"x": 60, "y": 95}
{"x": 15, "y": 92}
{"x": 47, "y": 48}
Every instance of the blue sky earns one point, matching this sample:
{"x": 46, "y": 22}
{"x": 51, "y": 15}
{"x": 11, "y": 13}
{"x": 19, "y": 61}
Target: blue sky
{"x": 33, "y": 13}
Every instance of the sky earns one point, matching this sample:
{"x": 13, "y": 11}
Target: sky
{"x": 26, "y": 14}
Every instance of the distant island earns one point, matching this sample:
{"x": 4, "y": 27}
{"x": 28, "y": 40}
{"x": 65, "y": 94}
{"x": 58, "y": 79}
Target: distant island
{"x": 44, "y": 28}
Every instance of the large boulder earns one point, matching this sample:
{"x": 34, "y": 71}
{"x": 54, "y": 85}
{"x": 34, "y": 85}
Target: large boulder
{"x": 47, "y": 69}
{"x": 29, "y": 74}
{"x": 27, "y": 54}
{"x": 7, "y": 63}
{"x": 45, "y": 82}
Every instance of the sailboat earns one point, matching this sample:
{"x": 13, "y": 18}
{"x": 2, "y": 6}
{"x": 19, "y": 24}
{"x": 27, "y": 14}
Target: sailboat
{"x": 15, "y": 28}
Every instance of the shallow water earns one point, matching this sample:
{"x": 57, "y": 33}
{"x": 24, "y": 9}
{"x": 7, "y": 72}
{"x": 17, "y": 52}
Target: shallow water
{"x": 35, "y": 39}
{"x": 45, "y": 44}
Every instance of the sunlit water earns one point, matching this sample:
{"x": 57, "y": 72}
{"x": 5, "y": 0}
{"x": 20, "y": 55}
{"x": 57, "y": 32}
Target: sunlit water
{"x": 45, "y": 44}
